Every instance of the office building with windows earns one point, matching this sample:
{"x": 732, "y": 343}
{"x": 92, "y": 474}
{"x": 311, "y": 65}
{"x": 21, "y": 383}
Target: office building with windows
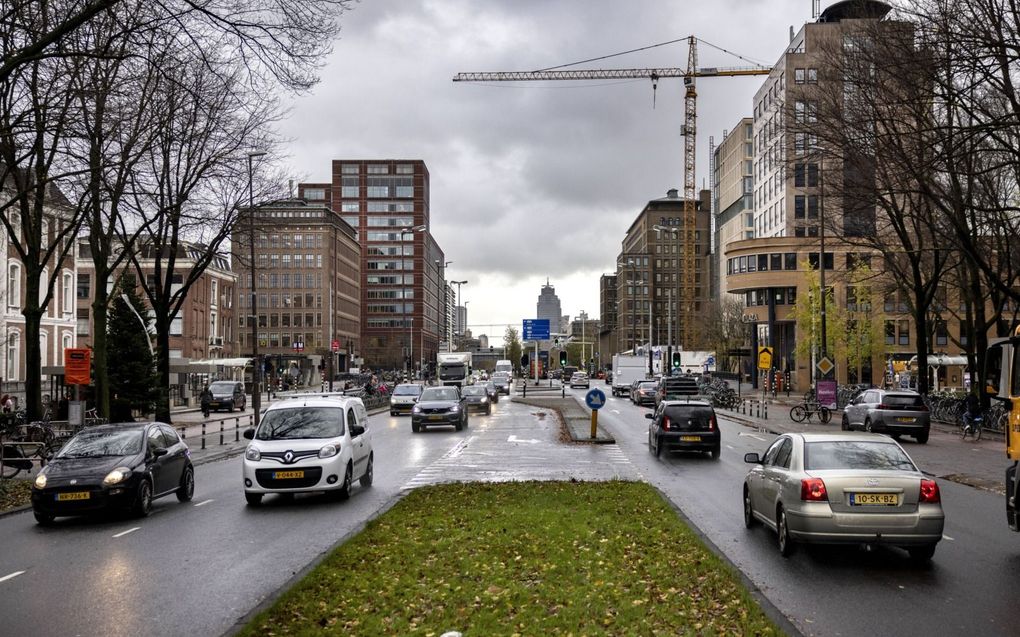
{"x": 401, "y": 273}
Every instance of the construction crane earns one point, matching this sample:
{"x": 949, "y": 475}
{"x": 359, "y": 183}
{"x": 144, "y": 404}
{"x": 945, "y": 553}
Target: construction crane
{"x": 689, "y": 130}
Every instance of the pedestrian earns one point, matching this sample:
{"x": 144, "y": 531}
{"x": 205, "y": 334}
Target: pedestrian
{"x": 206, "y": 397}
{"x": 7, "y": 403}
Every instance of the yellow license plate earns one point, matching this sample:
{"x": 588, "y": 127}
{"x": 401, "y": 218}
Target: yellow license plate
{"x": 880, "y": 499}
{"x": 287, "y": 475}
{"x": 904, "y": 419}
{"x": 435, "y": 417}
{"x": 690, "y": 438}
{"x": 77, "y": 495}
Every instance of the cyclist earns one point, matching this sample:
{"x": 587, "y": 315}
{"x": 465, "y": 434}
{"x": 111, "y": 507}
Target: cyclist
{"x": 971, "y": 411}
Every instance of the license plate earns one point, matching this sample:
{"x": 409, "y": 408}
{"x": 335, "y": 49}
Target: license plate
{"x": 77, "y": 495}
{"x": 213, "y": 403}
{"x": 904, "y": 419}
{"x": 690, "y": 438}
{"x": 287, "y": 475}
{"x": 870, "y": 499}
{"x": 435, "y": 417}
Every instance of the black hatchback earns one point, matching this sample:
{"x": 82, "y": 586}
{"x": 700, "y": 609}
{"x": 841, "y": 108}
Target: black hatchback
{"x": 114, "y": 467}
{"x": 684, "y": 426}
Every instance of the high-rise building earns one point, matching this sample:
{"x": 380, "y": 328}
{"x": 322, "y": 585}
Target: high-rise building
{"x": 387, "y": 202}
{"x": 648, "y": 275}
{"x": 548, "y": 307}
{"x": 733, "y": 193}
{"x": 461, "y": 319}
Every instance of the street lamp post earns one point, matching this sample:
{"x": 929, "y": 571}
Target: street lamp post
{"x": 256, "y": 395}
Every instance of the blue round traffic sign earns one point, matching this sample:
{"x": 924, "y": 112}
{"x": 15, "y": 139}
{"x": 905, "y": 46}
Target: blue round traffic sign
{"x": 595, "y": 399}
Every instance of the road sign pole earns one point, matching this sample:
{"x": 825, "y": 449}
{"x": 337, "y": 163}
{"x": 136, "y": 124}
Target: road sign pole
{"x": 594, "y": 422}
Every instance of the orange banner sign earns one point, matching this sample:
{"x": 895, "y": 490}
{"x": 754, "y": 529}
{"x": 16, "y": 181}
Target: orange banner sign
{"x": 77, "y": 366}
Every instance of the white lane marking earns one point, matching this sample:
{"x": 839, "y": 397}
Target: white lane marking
{"x": 944, "y": 537}
{"x": 123, "y": 533}
{"x": 204, "y": 502}
{"x": 530, "y": 441}
{"x": 11, "y": 576}
{"x": 730, "y": 447}
{"x": 744, "y": 433}
{"x": 615, "y": 411}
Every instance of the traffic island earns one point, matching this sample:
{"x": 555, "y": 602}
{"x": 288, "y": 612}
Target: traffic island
{"x": 575, "y": 420}
{"x": 532, "y": 558}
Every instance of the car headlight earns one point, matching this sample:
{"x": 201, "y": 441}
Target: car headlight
{"x": 329, "y": 451}
{"x": 485, "y": 399}
{"x": 118, "y": 475}
{"x": 455, "y": 408}
{"x": 416, "y": 409}
{"x": 253, "y": 454}
{"x": 40, "y": 481}
{"x": 393, "y": 401}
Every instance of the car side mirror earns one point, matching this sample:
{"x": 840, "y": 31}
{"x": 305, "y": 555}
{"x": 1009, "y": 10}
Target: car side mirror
{"x": 249, "y": 433}
{"x": 752, "y": 458}
{"x": 357, "y": 430}
{"x": 160, "y": 452}
{"x": 650, "y": 416}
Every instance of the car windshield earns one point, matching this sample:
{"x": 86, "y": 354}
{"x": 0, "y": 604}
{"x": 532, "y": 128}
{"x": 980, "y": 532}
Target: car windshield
{"x": 856, "y": 454}
{"x": 407, "y": 390}
{"x": 301, "y": 422}
{"x": 104, "y": 442}
{"x": 474, "y": 391}
{"x": 698, "y": 415}
{"x": 439, "y": 393}
{"x": 222, "y": 388}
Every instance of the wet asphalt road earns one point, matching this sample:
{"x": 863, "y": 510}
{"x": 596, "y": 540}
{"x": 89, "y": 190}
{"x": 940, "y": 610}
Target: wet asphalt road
{"x": 833, "y": 590}
{"x": 196, "y": 568}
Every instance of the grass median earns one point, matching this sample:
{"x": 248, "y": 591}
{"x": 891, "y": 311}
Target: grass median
{"x": 528, "y": 558}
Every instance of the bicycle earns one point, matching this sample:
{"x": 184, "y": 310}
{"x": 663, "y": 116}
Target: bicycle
{"x": 973, "y": 425}
{"x": 806, "y": 410}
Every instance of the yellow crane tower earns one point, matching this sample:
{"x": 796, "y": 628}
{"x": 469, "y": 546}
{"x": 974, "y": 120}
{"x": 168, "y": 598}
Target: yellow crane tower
{"x": 686, "y": 306}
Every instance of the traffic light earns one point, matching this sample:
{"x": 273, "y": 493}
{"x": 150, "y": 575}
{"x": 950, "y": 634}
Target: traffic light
{"x": 524, "y": 361}
{"x": 563, "y": 359}
{"x": 676, "y": 360}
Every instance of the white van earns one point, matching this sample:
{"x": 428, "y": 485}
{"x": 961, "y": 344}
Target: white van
{"x": 505, "y": 366}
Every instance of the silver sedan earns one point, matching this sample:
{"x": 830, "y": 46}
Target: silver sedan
{"x": 855, "y": 488}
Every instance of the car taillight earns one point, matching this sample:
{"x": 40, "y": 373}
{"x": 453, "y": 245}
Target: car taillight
{"x": 665, "y": 422}
{"x": 921, "y": 407}
{"x": 930, "y": 492}
{"x": 882, "y": 406}
{"x": 813, "y": 490}
{"x": 711, "y": 423}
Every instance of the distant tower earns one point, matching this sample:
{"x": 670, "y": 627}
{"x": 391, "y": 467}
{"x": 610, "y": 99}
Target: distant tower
{"x": 549, "y": 306}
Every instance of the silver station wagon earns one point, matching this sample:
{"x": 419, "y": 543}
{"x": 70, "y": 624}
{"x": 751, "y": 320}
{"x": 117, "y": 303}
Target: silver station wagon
{"x": 854, "y": 488}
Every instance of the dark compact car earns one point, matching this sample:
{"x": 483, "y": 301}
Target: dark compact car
{"x": 896, "y": 413}
{"x": 643, "y": 393}
{"x": 227, "y": 394}
{"x": 439, "y": 406}
{"x": 114, "y": 467}
{"x": 681, "y": 425}
{"x": 502, "y": 382}
{"x": 490, "y": 387}
{"x": 477, "y": 397}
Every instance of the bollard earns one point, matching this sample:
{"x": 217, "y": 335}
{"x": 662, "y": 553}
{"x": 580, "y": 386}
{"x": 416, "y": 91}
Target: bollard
{"x": 237, "y": 429}
{"x": 203, "y": 435}
{"x": 221, "y": 433}
{"x": 766, "y": 411}
{"x": 183, "y": 431}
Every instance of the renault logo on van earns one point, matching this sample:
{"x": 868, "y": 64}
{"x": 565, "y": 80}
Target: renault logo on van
{"x": 288, "y": 457}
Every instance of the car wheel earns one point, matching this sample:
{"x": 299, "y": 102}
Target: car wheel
{"x": 143, "y": 500}
{"x": 393, "y": 413}
{"x": 415, "y": 427}
{"x": 187, "y": 489}
{"x": 749, "y": 519}
{"x": 345, "y": 489}
{"x": 783, "y": 533}
{"x": 253, "y": 499}
{"x": 488, "y": 412}
{"x": 651, "y": 447}
{"x": 658, "y": 446}
{"x": 230, "y": 409}
{"x": 921, "y": 554}
{"x": 922, "y": 438}
{"x": 715, "y": 453}
{"x": 43, "y": 519}
{"x": 366, "y": 479}
{"x": 867, "y": 425}
{"x": 845, "y": 425}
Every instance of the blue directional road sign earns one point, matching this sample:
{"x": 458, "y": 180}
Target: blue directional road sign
{"x": 595, "y": 399}
{"x": 536, "y": 329}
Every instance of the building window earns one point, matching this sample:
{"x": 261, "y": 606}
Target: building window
{"x": 68, "y": 293}
{"x": 84, "y": 282}
{"x": 904, "y": 332}
{"x": 789, "y": 260}
{"x": 799, "y": 180}
{"x": 315, "y": 194}
{"x": 349, "y": 169}
{"x": 378, "y": 169}
{"x": 798, "y": 206}
{"x": 775, "y": 261}
{"x": 798, "y": 76}
{"x": 14, "y": 285}
{"x": 812, "y": 76}
{"x": 177, "y": 326}
{"x": 890, "y": 333}
{"x": 812, "y": 206}
{"x": 405, "y": 169}
{"x": 812, "y": 175}
{"x": 13, "y": 358}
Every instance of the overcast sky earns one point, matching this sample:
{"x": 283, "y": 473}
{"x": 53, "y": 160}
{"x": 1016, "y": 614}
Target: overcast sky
{"x": 531, "y": 180}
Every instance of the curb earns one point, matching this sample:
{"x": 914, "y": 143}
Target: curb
{"x": 10, "y": 512}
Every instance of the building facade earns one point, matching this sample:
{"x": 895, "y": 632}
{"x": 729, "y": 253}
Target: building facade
{"x": 307, "y": 288}
{"x": 733, "y": 192}
{"x": 402, "y": 266}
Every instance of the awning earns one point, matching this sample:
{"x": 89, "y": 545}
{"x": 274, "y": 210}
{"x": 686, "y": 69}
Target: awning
{"x": 941, "y": 360}
{"x": 206, "y": 365}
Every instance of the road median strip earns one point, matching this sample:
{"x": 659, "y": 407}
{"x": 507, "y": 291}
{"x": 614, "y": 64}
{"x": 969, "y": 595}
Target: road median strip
{"x": 525, "y": 557}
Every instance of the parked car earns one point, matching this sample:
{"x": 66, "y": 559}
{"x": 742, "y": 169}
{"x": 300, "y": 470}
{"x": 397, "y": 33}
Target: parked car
{"x": 122, "y": 466}
{"x": 503, "y": 382}
{"x": 439, "y": 406}
{"x": 307, "y": 444}
{"x": 899, "y": 412}
{"x": 228, "y": 395}
{"x": 643, "y": 393}
{"x": 490, "y": 387}
{"x": 477, "y": 397}
{"x": 580, "y": 379}
{"x": 404, "y": 397}
{"x": 685, "y": 426}
{"x": 855, "y": 488}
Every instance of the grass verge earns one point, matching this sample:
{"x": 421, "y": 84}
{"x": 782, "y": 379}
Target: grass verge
{"x": 14, "y": 494}
{"x": 529, "y": 558}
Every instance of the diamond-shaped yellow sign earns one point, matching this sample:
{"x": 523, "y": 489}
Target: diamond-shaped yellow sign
{"x": 825, "y": 365}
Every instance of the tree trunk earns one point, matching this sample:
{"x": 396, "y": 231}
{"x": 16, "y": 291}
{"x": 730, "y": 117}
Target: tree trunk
{"x": 99, "y": 348}
{"x": 163, "y": 367}
{"x": 33, "y": 360}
